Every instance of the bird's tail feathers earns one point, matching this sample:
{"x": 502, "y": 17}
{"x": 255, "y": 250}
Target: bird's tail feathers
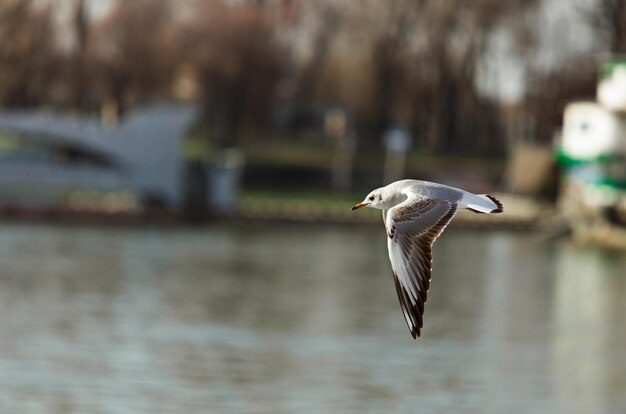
{"x": 482, "y": 203}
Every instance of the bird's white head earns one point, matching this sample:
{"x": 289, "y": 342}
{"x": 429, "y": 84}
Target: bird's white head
{"x": 375, "y": 199}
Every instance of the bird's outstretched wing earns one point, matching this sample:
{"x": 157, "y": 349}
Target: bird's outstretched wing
{"x": 412, "y": 228}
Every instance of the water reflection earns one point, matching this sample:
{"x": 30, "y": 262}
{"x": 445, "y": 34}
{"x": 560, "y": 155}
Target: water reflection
{"x": 589, "y": 325}
{"x": 283, "y": 319}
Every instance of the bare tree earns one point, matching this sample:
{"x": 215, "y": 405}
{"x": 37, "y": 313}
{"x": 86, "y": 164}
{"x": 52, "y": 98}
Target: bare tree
{"x": 608, "y": 18}
{"x": 131, "y": 54}
{"x": 29, "y": 59}
{"x": 409, "y": 61}
{"x": 390, "y": 68}
{"x": 236, "y": 54}
{"x": 550, "y": 91}
{"x": 78, "y": 59}
{"x": 426, "y": 55}
{"x": 310, "y": 77}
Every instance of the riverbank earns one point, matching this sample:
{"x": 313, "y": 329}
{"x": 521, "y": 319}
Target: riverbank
{"x": 520, "y": 213}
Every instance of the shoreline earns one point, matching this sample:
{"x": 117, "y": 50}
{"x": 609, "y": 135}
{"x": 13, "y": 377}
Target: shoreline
{"x": 523, "y": 214}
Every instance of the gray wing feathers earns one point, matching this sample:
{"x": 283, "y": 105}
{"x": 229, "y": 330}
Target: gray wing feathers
{"x": 412, "y": 227}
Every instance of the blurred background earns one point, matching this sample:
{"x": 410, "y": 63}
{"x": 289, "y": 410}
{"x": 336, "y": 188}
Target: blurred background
{"x": 176, "y": 180}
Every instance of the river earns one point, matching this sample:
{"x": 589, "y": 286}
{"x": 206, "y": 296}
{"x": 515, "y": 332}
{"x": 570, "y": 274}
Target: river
{"x": 263, "y": 318}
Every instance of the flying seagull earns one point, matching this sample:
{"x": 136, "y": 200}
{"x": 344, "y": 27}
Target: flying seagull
{"x": 415, "y": 213}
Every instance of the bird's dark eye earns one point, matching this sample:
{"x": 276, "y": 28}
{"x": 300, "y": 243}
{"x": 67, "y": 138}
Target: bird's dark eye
{"x": 371, "y": 198}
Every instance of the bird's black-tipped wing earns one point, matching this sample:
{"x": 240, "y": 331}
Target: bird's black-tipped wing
{"x": 412, "y": 228}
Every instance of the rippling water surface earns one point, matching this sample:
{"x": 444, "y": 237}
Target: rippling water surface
{"x": 303, "y": 319}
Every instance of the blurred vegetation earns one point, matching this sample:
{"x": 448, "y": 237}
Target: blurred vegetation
{"x": 410, "y": 62}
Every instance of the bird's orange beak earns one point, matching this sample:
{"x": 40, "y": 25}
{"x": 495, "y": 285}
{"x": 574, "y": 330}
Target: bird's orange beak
{"x": 358, "y": 206}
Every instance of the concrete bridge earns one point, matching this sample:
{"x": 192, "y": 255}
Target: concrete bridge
{"x": 45, "y": 158}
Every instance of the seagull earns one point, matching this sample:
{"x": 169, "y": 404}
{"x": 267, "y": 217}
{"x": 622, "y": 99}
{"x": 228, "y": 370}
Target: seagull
{"x": 415, "y": 213}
